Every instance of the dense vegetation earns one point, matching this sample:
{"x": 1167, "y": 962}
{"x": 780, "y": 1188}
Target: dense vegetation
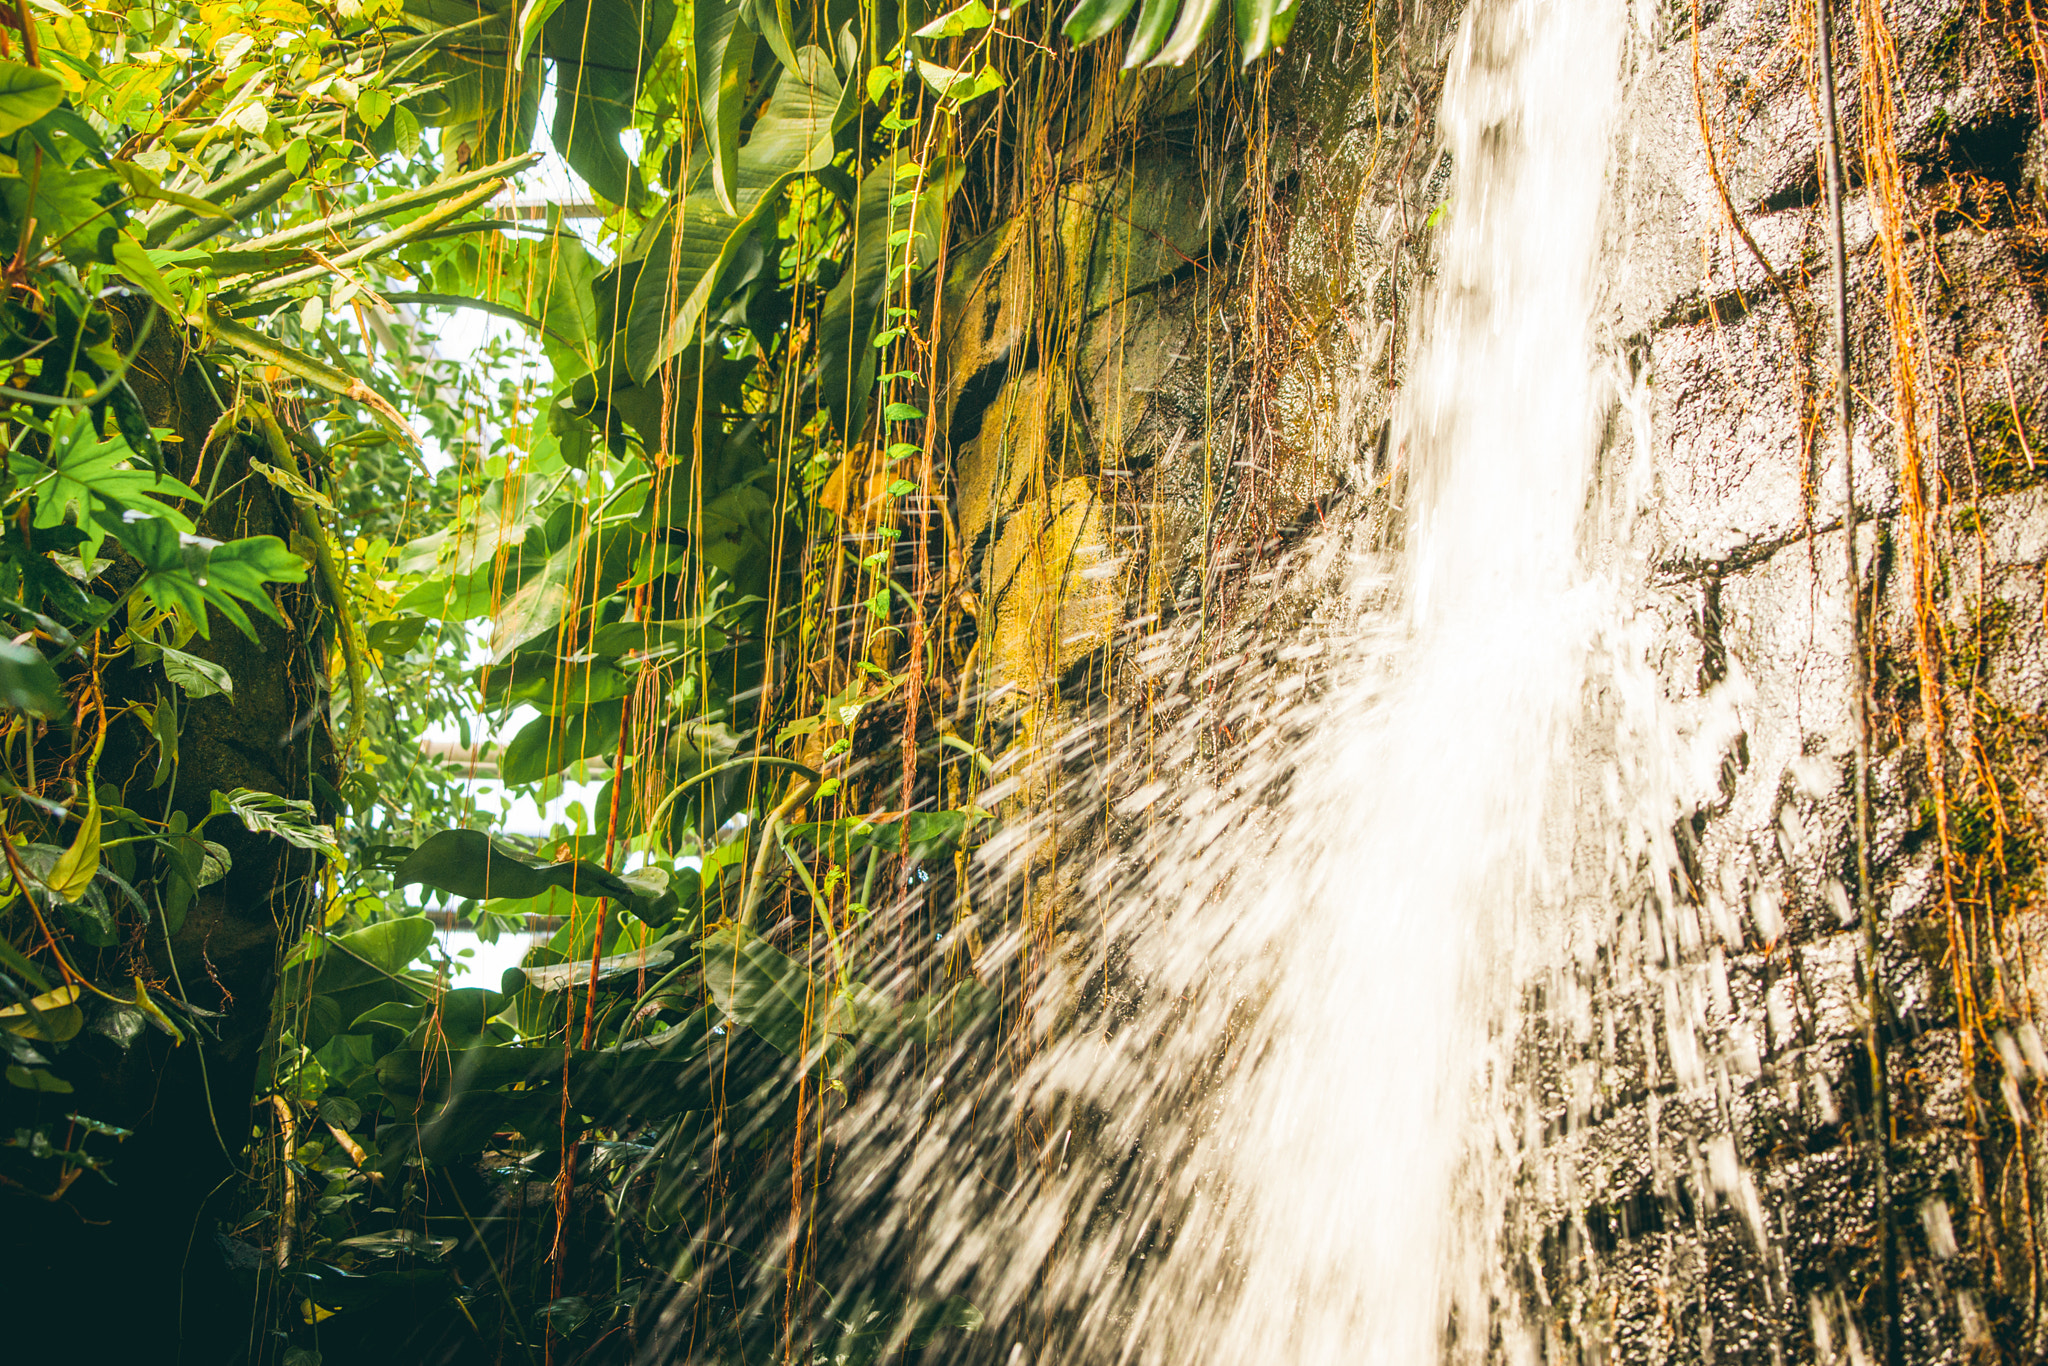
{"x": 261, "y": 536}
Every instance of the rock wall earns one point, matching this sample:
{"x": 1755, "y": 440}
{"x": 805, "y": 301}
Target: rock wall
{"x": 1233, "y": 268}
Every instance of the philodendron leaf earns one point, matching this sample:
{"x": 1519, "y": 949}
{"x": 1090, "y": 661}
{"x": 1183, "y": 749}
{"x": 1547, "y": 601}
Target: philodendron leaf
{"x": 26, "y": 94}
{"x": 953, "y": 23}
{"x": 288, "y": 818}
{"x": 470, "y": 864}
{"x": 189, "y": 574}
{"x": 27, "y": 682}
{"x": 90, "y": 480}
{"x": 195, "y": 676}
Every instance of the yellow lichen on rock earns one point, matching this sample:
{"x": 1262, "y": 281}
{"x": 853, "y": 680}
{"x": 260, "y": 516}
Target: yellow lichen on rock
{"x": 1056, "y": 593}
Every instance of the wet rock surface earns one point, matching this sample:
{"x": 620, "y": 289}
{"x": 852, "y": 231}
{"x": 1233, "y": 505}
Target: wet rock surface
{"x": 1698, "y": 1176}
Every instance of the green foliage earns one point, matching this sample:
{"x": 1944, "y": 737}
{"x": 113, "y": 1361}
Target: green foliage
{"x": 629, "y": 515}
{"x": 1168, "y": 33}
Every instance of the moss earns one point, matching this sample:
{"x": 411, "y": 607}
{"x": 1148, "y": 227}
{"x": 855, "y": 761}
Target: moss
{"x": 2007, "y": 458}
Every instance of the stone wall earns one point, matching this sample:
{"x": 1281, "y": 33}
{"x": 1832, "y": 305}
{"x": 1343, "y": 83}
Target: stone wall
{"x": 1233, "y": 269}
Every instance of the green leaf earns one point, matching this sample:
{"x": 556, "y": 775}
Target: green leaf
{"x": 1094, "y": 19}
{"x": 631, "y": 963}
{"x": 74, "y": 871}
{"x": 568, "y": 311}
{"x": 601, "y": 49}
{"x": 469, "y": 864}
{"x": 134, "y": 262}
{"x": 291, "y": 484}
{"x": 761, "y": 988}
{"x": 291, "y": 820}
{"x": 26, "y": 94}
{"x": 532, "y": 16}
{"x": 189, "y": 574}
{"x": 28, "y": 683}
{"x": 969, "y": 17}
{"x": 195, "y": 676}
{"x": 1187, "y": 34}
{"x": 146, "y": 188}
{"x": 36, "y": 1079}
{"x": 387, "y": 947}
{"x": 374, "y": 106}
{"x": 771, "y": 19}
{"x": 697, "y": 237}
{"x": 537, "y": 607}
{"x": 851, "y": 311}
{"x": 549, "y": 744}
{"x": 721, "y": 58}
{"x": 1155, "y": 20}
{"x": 87, "y": 475}
{"x": 961, "y": 87}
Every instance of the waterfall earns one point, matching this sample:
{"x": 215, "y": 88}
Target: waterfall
{"x": 1276, "y": 1115}
{"x": 1358, "y": 1195}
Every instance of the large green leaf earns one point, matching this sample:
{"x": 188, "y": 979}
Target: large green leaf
{"x": 86, "y": 475}
{"x": 698, "y": 236}
{"x": 1188, "y": 33}
{"x": 1155, "y": 21}
{"x": 1168, "y": 32}
{"x": 548, "y": 744}
{"x": 188, "y": 574}
{"x": 601, "y": 48}
{"x": 26, "y": 94}
{"x": 762, "y": 988}
{"x": 567, "y": 308}
{"x": 537, "y": 607}
{"x": 388, "y": 946}
{"x": 468, "y": 863}
{"x": 890, "y": 240}
{"x": 721, "y": 59}
{"x": 27, "y": 682}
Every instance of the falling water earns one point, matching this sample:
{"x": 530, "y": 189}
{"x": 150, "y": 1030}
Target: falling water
{"x": 1274, "y": 1117}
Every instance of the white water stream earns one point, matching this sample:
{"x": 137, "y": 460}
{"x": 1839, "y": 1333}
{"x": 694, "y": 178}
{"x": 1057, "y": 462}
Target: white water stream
{"x": 1305, "y": 1145}
{"x": 1356, "y": 1197}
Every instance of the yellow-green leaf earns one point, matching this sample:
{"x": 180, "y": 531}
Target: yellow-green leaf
{"x": 155, "y": 1012}
{"x": 26, "y": 94}
{"x": 959, "y": 86}
{"x": 144, "y": 185}
{"x": 133, "y": 261}
{"x": 953, "y": 23}
{"x": 76, "y": 866}
{"x": 60, "y": 1017}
